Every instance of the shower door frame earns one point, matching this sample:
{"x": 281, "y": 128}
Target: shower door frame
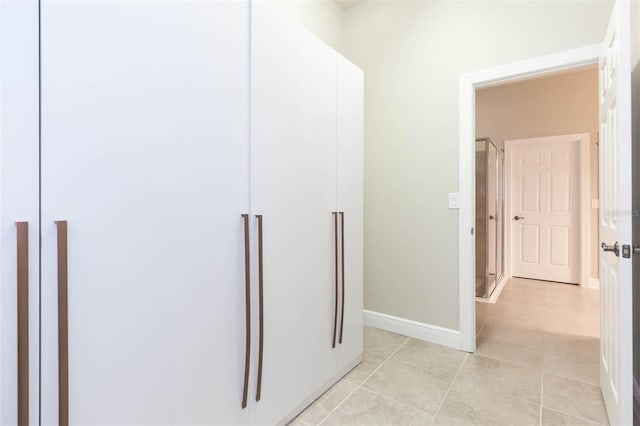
{"x": 499, "y": 274}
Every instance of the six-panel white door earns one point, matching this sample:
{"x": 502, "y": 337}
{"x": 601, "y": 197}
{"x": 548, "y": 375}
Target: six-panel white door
{"x": 545, "y": 208}
{"x": 145, "y": 154}
{"x": 616, "y": 367}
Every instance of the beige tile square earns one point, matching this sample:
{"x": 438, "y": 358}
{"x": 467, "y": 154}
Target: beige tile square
{"x": 564, "y": 290}
{"x": 434, "y": 358}
{"x": 594, "y": 294}
{"x": 411, "y": 385}
{"x": 526, "y": 283}
{"x": 317, "y": 411}
{"x": 574, "y": 398}
{"x": 581, "y": 323}
{"x": 532, "y": 296}
{"x": 568, "y": 297}
{"x": 492, "y": 392}
{"x": 514, "y": 313}
{"x": 370, "y": 361}
{"x": 573, "y": 356}
{"x": 555, "y": 418}
{"x": 381, "y": 341}
{"x": 519, "y": 343}
{"x": 365, "y": 408}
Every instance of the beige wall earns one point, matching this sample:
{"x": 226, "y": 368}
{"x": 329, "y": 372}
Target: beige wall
{"x": 412, "y": 53}
{"x": 557, "y": 105}
{"x": 322, "y": 18}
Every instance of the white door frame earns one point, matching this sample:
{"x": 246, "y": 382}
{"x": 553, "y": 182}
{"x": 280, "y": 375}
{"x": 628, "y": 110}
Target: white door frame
{"x": 584, "y": 182}
{"x": 535, "y": 67}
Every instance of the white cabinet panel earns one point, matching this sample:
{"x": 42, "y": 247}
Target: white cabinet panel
{"x": 18, "y": 194}
{"x": 350, "y": 84}
{"x": 145, "y": 154}
{"x": 293, "y": 185}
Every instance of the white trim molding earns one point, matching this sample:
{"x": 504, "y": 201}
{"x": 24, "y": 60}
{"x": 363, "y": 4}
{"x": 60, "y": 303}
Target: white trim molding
{"x": 594, "y": 282}
{"x": 536, "y": 67}
{"x": 417, "y": 330}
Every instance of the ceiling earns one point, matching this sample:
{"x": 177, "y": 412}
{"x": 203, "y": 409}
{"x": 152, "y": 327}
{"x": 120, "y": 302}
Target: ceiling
{"x": 346, "y": 4}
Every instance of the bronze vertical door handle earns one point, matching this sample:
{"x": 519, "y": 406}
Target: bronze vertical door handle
{"x": 247, "y": 298}
{"x": 342, "y": 262}
{"x": 63, "y": 325}
{"x": 261, "y": 307}
{"x": 335, "y": 310}
{"x": 23, "y": 321}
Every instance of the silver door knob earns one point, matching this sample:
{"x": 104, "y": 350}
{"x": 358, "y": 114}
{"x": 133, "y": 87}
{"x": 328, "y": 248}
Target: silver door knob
{"x": 636, "y": 249}
{"x": 518, "y": 217}
{"x": 615, "y": 248}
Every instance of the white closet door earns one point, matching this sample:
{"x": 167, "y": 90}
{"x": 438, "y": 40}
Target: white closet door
{"x": 293, "y": 185}
{"x": 145, "y": 154}
{"x": 350, "y": 201}
{"x": 18, "y": 203}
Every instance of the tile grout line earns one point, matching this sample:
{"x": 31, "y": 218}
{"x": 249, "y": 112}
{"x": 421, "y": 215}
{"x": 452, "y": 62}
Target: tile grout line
{"x": 484, "y": 321}
{"x": 406, "y": 404}
{"x": 544, "y": 336}
{"x": 365, "y": 379}
{"x": 446, "y": 395}
{"x": 573, "y": 380}
{"x": 573, "y": 415}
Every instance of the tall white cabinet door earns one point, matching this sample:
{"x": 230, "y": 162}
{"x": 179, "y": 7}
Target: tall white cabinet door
{"x": 19, "y": 203}
{"x": 145, "y": 155}
{"x": 350, "y": 133}
{"x": 293, "y": 185}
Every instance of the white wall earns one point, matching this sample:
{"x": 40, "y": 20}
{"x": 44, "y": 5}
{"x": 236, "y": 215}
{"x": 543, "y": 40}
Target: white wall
{"x": 555, "y": 105}
{"x": 412, "y": 54}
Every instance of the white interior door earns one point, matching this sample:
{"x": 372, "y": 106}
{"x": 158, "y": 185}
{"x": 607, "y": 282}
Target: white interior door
{"x": 350, "y": 201}
{"x": 545, "y": 208}
{"x": 616, "y": 371}
{"x": 18, "y": 202}
{"x": 145, "y": 154}
{"x": 293, "y": 185}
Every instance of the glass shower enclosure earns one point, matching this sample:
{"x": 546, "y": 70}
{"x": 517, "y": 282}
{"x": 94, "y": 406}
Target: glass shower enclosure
{"x": 489, "y": 217}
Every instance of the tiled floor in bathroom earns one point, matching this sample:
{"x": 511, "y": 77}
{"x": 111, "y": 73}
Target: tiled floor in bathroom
{"x": 536, "y": 364}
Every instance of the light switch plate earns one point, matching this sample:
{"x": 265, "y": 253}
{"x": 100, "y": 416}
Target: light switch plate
{"x": 594, "y": 203}
{"x": 454, "y": 201}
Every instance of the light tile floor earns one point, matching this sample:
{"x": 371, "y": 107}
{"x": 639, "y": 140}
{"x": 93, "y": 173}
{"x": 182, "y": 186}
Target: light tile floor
{"x": 536, "y": 364}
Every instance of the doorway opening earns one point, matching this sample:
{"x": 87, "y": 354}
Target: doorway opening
{"x": 535, "y": 200}
{"x": 470, "y": 87}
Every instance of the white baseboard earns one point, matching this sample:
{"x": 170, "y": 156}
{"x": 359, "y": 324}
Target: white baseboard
{"x": 417, "y": 330}
{"x": 594, "y": 283}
